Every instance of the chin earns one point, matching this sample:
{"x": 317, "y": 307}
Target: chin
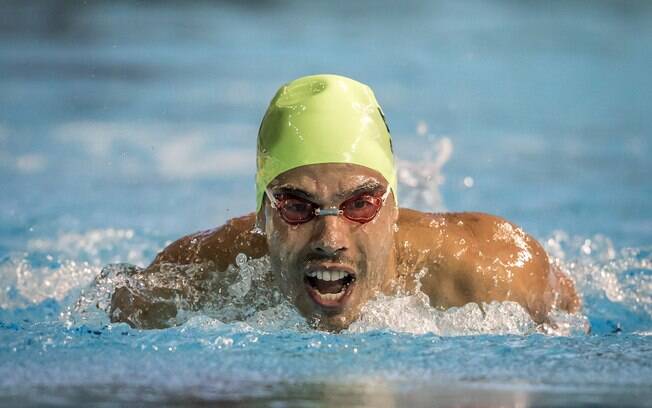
{"x": 332, "y": 320}
{"x": 335, "y": 323}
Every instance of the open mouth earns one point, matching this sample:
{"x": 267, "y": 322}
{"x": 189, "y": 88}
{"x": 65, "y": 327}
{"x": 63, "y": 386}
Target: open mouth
{"x": 329, "y": 288}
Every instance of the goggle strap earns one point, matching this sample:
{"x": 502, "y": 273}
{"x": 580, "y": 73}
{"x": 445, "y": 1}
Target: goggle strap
{"x": 386, "y": 194}
{"x": 271, "y": 198}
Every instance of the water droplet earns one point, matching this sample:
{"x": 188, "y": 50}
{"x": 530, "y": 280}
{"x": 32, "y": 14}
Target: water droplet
{"x": 241, "y": 260}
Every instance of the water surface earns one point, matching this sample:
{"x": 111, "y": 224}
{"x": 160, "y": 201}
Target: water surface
{"x": 126, "y": 125}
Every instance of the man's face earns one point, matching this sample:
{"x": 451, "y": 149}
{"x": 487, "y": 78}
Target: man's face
{"x": 330, "y": 266}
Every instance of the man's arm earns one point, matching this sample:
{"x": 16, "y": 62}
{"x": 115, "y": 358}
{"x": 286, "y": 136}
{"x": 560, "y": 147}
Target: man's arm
{"x": 180, "y": 273}
{"x": 474, "y": 257}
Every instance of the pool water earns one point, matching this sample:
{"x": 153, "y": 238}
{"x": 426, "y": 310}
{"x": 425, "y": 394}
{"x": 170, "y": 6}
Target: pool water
{"x": 126, "y": 125}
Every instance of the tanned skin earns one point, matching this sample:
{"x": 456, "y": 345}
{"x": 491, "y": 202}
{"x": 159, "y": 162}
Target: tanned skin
{"x": 457, "y": 258}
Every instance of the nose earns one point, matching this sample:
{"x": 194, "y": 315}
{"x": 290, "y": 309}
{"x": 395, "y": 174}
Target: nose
{"x": 331, "y": 236}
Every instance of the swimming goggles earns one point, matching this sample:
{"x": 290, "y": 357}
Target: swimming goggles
{"x": 295, "y": 210}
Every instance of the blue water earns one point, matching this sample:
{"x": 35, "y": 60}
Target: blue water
{"x": 126, "y": 125}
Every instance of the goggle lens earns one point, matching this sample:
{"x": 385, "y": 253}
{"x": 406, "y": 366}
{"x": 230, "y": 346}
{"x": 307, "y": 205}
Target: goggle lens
{"x": 361, "y": 209}
{"x": 295, "y": 210}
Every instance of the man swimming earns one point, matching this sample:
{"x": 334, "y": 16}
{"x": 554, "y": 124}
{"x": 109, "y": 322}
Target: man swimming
{"x": 327, "y": 217}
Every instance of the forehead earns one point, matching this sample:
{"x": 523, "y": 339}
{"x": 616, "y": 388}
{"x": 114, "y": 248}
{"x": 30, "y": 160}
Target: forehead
{"x": 328, "y": 178}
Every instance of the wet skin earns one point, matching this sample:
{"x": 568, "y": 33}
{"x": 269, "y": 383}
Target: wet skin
{"x": 366, "y": 251}
{"x": 456, "y": 258}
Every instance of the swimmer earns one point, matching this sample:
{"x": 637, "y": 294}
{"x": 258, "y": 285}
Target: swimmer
{"x": 327, "y": 216}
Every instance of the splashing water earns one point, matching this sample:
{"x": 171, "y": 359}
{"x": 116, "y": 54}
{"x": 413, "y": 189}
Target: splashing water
{"x": 616, "y": 286}
{"x": 422, "y": 178}
{"x": 253, "y": 334}
{"x": 236, "y": 294}
{"x": 113, "y": 140}
{"x": 54, "y": 323}
{"x": 58, "y": 268}
{"x": 245, "y": 293}
{"x": 413, "y": 314}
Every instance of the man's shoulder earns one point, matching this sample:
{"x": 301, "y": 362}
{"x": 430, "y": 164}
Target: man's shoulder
{"x": 476, "y": 223}
{"x": 462, "y": 232}
{"x": 217, "y": 245}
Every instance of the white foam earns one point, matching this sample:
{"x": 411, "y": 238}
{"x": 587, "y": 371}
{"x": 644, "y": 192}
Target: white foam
{"x": 261, "y": 307}
{"x": 280, "y": 317}
{"x": 53, "y": 267}
{"x": 249, "y": 296}
{"x": 35, "y": 284}
{"x": 622, "y": 277}
{"x": 413, "y": 314}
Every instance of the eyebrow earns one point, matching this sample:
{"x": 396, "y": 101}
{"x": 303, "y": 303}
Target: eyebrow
{"x": 369, "y": 186}
{"x": 291, "y": 190}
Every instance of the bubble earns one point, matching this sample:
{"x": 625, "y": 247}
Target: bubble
{"x": 223, "y": 342}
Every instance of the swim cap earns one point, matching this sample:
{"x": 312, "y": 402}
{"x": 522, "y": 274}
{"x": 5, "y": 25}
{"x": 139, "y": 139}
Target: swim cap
{"x": 323, "y": 119}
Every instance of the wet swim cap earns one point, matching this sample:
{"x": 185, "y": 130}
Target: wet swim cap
{"x": 323, "y": 119}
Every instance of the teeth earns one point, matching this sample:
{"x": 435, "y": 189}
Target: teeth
{"x": 327, "y": 275}
{"x": 332, "y": 296}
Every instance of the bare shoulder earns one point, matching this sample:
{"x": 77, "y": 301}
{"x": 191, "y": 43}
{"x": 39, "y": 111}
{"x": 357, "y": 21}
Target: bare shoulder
{"x": 218, "y": 245}
{"x": 478, "y": 257}
{"x": 480, "y": 226}
{"x": 495, "y": 235}
{"x": 469, "y": 233}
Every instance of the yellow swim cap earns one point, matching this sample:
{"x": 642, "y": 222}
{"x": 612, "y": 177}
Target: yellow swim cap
{"x": 323, "y": 119}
